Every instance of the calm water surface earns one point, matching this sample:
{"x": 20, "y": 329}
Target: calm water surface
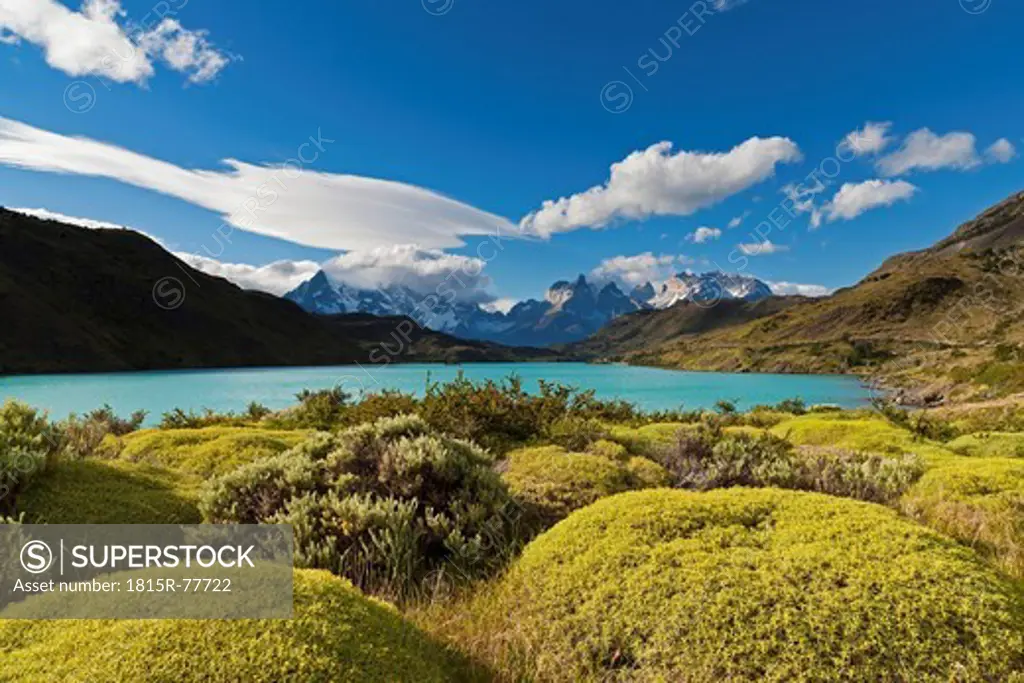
{"x": 224, "y": 390}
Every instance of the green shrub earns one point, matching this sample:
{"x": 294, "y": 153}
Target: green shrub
{"x": 84, "y": 436}
{"x": 259, "y": 490}
{"x": 551, "y": 482}
{"x": 389, "y": 505}
{"x": 209, "y": 451}
{"x": 796, "y": 406}
{"x": 989, "y": 445}
{"x": 576, "y": 433}
{"x": 609, "y": 449}
{"x": 647, "y": 474}
{"x": 979, "y": 501}
{"x": 500, "y": 415}
{"x": 110, "y": 492}
{"x": 707, "y": 458}
{"x": 28, "y": 445}
{"x": 323, "y": 409}
{"x": 494, "y": 414}
{"x": 337, "y": 634}
{"x": 374, "y": 406}
{"x": 725, "y": 407}
{"x": 856, "y": 474}
{"x": 746, "y": 585}
{"x": 11, "y": 543}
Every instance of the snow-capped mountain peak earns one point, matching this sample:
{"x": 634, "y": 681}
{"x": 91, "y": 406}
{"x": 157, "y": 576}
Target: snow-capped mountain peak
{"x": 707, "y": 287}
{"x": 570, "y": 311}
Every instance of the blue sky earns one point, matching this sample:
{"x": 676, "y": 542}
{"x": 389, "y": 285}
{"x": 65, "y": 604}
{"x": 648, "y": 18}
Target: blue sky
{"x": 502, "y": 107}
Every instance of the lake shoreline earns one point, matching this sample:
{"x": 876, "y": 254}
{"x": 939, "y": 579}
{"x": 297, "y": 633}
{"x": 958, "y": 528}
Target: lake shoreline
{"x": 231, "y": 389}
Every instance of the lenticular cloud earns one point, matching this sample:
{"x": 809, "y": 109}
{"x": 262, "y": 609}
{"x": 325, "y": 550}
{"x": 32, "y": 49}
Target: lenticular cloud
{"x": 290, "y": 201}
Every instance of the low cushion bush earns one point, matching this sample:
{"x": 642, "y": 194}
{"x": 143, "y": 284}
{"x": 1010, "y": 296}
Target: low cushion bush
{"x": 871, "y": 434}
{"x": 989, "y": 445}
{"x": 209, "y": 451}
{"x": 647, "y": 474}
{"x": 609, "y": 449}
{"x": 648, "y": 439}
{"x": 551, "y": 482}
{"x": 337, "y": 634}
{"x": 576, "y": 433}
{"x": 94, "y": 491}
{"x": 389, "y": 504}
{"x": 977, "y": 500}
{"x": 748, "y": 585}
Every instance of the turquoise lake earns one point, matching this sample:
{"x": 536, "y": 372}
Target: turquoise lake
{"x": 232, "y": 390}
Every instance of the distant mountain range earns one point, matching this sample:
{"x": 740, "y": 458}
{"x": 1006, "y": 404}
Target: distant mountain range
{"x": 75, "y": 299}
{"x": 950, "y": 317}
{"x": 569, "y": 312}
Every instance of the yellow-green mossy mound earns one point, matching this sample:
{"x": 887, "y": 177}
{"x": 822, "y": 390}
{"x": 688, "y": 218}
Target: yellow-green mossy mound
{"x": 648, "y": 439}
{"x": 989, "y": 445}
{"x": 206, "y": 452}
{"x": 337, "y": 634}
{"x": 110, "y": 492}
{"x": 754, "y": 585}
{"x": 977, "y": 500}
{"x": 553, "y": 482}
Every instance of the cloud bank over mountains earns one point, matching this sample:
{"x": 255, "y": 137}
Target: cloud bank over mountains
{"x": 393, "y": 233}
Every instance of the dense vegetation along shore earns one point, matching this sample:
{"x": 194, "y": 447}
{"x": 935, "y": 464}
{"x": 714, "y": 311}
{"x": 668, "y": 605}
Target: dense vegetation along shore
{"x": 481, "y": 533}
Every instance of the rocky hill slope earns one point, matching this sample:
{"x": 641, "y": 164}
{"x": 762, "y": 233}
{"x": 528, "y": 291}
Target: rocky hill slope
{"x": 946, "y": 320}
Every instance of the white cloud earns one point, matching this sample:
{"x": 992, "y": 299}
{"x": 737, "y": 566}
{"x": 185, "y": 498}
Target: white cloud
{"x": 791, "y": 288}
{"x": 871, "y": 139}
{"x": 425, "y": 271}
{"x": 98, "y": 40}
{"x": 185, "y": 51}
{"x": 503, "y": 305}
{"x": 1001, "y": 151}
{"x": 639, "y": 269}
{"x": 656, "y": 182}
{"x": 923, "y": 150}
{"x": 853, "y": 199}
{"x": 704, "y": 234}
{"x": 802, "y": 199}
{"x": 279, "y": 277}
{"x": 738, "y": 220}
{"x": 332, "y": 211}
{"x": 762, "y": 248}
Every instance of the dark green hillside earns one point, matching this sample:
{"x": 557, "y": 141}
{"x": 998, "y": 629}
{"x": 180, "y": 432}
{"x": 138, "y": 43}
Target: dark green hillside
{"x": 75, "y": 299}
